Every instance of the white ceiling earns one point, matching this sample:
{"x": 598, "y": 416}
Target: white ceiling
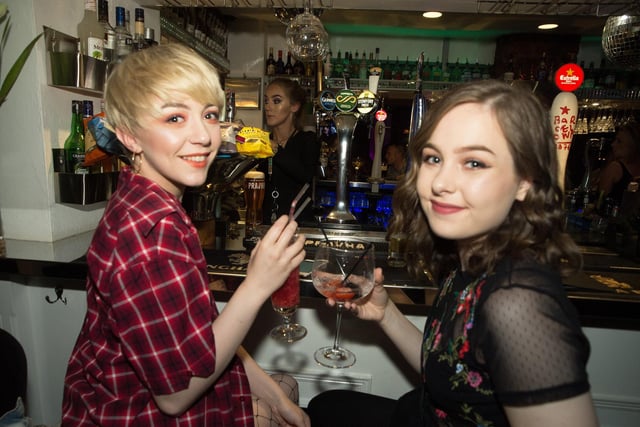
{"x": 552, "y": 7}
{"x": 585, "y": 17}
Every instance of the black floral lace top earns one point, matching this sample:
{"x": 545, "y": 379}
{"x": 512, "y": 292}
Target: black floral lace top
{"x": 510, "y": 338}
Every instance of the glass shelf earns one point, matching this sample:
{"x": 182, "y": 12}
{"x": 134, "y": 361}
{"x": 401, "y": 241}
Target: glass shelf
{"x": 178, "y": 33}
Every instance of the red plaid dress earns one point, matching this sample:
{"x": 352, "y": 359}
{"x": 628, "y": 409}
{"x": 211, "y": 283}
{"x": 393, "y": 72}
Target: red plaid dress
{"x": 148, "y": 324}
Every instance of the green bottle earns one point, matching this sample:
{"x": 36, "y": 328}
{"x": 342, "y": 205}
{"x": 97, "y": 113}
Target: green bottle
{"x": 74, "y": 144}
{"x": 338, "y": 66}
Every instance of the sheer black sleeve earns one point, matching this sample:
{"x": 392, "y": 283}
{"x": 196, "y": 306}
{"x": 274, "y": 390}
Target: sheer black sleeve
{"x": 530, "y": 338}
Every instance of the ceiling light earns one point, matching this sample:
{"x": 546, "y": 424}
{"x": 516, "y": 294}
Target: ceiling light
{"x": 432, "y": 15}
{"x": 547, "y": 26}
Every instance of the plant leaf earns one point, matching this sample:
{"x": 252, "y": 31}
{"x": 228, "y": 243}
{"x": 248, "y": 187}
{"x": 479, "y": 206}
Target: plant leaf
{"x": 15, "y": 70}
{"x": 5, "y": 34}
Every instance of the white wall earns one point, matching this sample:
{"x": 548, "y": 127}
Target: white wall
{"x": 47, "y": 333}
{"x": 36, "y": 118}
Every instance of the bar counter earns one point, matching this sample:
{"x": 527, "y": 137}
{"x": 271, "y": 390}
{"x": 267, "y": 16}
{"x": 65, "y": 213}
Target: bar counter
{"x": 606, "y": 293}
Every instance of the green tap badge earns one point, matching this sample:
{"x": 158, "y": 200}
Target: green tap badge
{"x": 346, "y": 101}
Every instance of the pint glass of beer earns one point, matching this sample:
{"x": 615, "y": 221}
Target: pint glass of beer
{"x": 254, "y": 189}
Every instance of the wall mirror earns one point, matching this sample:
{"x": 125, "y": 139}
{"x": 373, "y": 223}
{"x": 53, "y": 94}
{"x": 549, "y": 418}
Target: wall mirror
{"x": 248, "y": 92}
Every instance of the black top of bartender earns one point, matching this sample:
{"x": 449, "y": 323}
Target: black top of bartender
{"x": 291, "y": 167}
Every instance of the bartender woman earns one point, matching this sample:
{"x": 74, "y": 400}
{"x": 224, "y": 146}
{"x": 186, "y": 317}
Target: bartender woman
{"x": 296, "y": 151}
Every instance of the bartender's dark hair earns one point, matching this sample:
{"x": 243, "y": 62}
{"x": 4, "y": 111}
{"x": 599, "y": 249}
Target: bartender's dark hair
{"x": 533, "y": 227}
{"x": 296, "y": 94}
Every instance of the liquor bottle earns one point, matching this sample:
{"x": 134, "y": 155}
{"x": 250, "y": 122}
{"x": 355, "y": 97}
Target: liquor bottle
{"x": 396, "y": 71}
{"x": 346, "y": 63}
{"x": 87, "y": 115}
{"x": 338, "y": 66}
{"x": 466, "y": 71}
{"x": 426, "y": 71}
{"x": 355, "y": 65}
{"x": 288, "y": 67}
{"x": 542, "y": 70}
{"x": 124, "y": 41}
{"x": 476, "y": 71}
{"x": 199, "y": 31}
{"x": 387, "y": 70}
{"x": 279, "y": 64}
{"x": 271, "y": 64}
{"x": 139, "y": 42}
{"x": 446, "y": 74}
{"x": 406, "y": 70}
{"x": 609, "y": 76}
{"x": 363, "y": 70}
{"x": 91, "y": 32}
{"x": 298, "y": 67}
{"x": 127, "y": 20}
{"x": 590, "y": 76}
{"x": 109, "y": 41}
{"x": 509, "y": 74}
{"x": 456, "y": 71}
{"x": 436, "y": 71}
{"x": 74, "y": 144}
{"x": 601, "y": 74}
{"x": 327, "y": 66}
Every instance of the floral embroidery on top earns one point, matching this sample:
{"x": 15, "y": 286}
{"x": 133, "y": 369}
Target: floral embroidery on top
{"x": 454, "y": 346}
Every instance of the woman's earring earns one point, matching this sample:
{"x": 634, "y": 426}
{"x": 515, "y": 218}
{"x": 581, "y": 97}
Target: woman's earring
{"x": 134, "y": 167}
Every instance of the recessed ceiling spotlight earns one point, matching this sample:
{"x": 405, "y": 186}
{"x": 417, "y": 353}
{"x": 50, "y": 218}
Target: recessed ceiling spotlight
{"x": 432, "y": 15}
{"x": 547, "y": 26}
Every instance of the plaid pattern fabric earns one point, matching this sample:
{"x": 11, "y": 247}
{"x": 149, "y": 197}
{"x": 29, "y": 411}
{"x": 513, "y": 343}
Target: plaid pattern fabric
{"x": 148, "y": 324}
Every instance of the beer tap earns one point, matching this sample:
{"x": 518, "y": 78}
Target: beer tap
{"x": 346, "y": 108}
{"x": 419, "y": 104}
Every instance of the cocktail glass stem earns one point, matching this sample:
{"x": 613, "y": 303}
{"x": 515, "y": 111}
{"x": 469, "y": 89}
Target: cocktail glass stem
{"x": 286, "y": 327}
{"x": 336, "y": 339}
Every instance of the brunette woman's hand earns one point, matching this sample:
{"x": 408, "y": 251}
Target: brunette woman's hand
{"x": 277, "y": 253}
{"x": 371, "y": 307}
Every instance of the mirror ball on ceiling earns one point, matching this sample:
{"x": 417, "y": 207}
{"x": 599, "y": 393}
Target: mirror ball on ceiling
{"x": 621, "y": 40}
{"x": 306, "y": 37}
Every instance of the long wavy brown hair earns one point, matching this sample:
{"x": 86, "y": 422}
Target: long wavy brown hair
{"x": 533, "y": 227}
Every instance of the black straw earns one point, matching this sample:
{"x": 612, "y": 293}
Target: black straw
{"x": 360, "y": 258}
{"x": 326, "y": 238}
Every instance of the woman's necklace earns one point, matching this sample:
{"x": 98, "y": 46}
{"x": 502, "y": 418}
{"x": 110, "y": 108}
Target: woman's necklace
{"x": 281, "y": 142}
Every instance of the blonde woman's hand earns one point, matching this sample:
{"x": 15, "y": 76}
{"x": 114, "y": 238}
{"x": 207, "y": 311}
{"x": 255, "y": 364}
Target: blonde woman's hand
{"x": 274, "y": 256}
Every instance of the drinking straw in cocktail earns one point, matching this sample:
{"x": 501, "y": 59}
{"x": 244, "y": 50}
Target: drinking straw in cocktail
{"x": 292, "y": 209}
{"x": 301, "y": 208}
{"x": 360, "y": 258}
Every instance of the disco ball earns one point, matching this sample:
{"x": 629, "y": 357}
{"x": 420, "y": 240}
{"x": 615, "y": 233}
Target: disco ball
{"x": 621, "y": 40}
{"x": 306, "y": 37}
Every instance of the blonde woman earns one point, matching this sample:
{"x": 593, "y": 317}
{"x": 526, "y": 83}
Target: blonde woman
{"x": 153, "y": 349}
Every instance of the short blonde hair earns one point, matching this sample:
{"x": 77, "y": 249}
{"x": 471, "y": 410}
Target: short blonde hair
{"x": 158, "y": 72}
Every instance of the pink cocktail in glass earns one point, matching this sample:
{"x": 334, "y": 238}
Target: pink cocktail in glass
{"x": 285, "y": 302}
{"x": 287, "y": 297}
